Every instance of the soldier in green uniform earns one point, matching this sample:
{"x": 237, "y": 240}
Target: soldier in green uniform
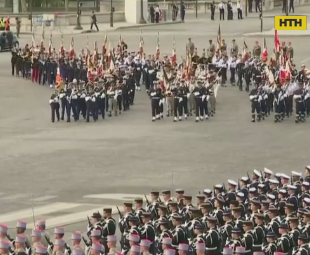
{"x": 290, "y": 51}
{"x": 203, "y": 60}
{"x": 257, "y": 50}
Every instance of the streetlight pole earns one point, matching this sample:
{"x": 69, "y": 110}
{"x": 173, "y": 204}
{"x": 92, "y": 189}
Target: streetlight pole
{"x": 78, "y": 16}
{"x": 31, "y": 14}
{"x": 261, "y": 17}
{"x": 142, "y": 20}
{"x": 286, "y": 6}
{"x": 111, "y": 13}
{"x": 196, "y": 4}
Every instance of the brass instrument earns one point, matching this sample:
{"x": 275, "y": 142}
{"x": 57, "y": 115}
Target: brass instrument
{"x": 90, "y": 87}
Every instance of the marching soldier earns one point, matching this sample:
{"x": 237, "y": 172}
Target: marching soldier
{"x": 271, "y": 246}
{"x": 148, "y": 230}
{"x": 257, "y": 50}
{"x": 20, "y": 245}
{"x": 76, "y": 238}
{"x": 259, "y": 232}
{"x": 248, "y": 237}
{"x": 235, "y": 241}
{"x": 36, "y": 241}
{"x": 111, "y": 244}
{"x": 284, "y": 243}
{"x": 54, "y": 103}
{"x": 94, "y": 224}
{"x": 41, "y": 226}
{"x": 213, "y": 237}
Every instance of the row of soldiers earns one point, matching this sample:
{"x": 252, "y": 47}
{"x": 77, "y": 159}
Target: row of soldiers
{"x": 266, "y": 213}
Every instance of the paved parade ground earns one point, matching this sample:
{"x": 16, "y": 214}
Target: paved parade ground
{"x": 61, "y": 165}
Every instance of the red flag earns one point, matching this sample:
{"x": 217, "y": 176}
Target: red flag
{"x": 264, "y": 53}
{"x": 245, "y": 53}
{"x": 277, "y": 44}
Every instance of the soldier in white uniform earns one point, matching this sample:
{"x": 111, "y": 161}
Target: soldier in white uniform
{"x": 59, "y": 247}
{"x": 76, "y": 238}
{"x": 36, "y": 236}
{"x": 4, "y": 247}
{"x": 111, "y": 242}
{"x": 3, "y": 232}
{"x": 183, "y": 249}
{"x": 40, "y": 225}
{"x": 20, "y": 244}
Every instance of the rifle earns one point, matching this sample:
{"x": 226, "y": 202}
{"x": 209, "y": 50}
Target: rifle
{"x": 261, "y": 173}
{"x": 68, "y": 249}
{"x": 224, "y": 188}
{"x": 49, "y": 242}
{"x": 248, "y": 176}
{"x": 119, "y": 212}
{"x": 89, "y": 223}
{"x": 8, "y": 237}
{"x": 86, "y": 243}
{"x": 238, "y": 184}
{"x": 147, "y": 201}
{"x": 292, "y": 179}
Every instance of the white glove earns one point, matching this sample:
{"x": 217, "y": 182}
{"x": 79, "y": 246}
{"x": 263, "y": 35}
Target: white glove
{"x": 51, "y": 101}
{"x": 203, "y": 97}
{"x": 180, "y": 99}
{"x": 188, "y": 95}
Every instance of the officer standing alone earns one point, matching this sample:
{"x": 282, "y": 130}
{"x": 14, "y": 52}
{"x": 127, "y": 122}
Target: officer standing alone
{"x": 222, "y": 10}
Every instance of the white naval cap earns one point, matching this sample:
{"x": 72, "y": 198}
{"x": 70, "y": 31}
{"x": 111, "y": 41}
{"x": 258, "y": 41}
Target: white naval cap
{"x": 267, "y": 171}
{"x": 20, "y": 238}
{"x": 111, "y": 238}
{"x": 307, "y": 200}
{"x": 200, "y": 246}
{"x": 278, "y": 175}
{"x": 258, "y": 253}
{"x": 145, "y": 243}
{"x": 3, "y": 228}
{"x": 306, "y": 184}
{"x": 183, "y": 247}
{"x": 36, "y": 233}
{"x": 74, "y": 81}
{"x": 59, "y": 230}
{"x": 218, "y": 186}
{"x": 291, "y": 187}
{"x": 240, "y": 194}
{"x": 41, "y": 249}
{"x": 97, "y": 247}
{"x": 244, "y": 178}
{"x": 308, "y": 167}
{"x": 233, "y": 183}
{"x": 271, "y": 196}
{"x": 282, "y": 191}
{"x": 273, "y": 181}
{"x": 135, "y": 248}
{"x": 77, "y": 251}
{"x": 284, "y": 176}
{"x": 76, "y": 235}
{"x": 257, "y": 173}
{"x": 21, "y": 224}
{"x": 294, "y": 173}
{"x": 59, "y": 242}
{"x": 134, "y": 238}
{"x": 169, "y": 252}
{"x": 207, "y": 191}
{"x": 252, "y": 190}
{"x": 4, "y": 244}
{"x": 261, "y": 186}
{"x": 167, "y": 241}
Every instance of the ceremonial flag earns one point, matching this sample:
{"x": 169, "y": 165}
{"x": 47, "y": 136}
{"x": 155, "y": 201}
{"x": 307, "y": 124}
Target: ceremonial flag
{"x": 104, "y": 48}
{"x": 245, "y": 53}
{"x": 71, "y": 52}
{"x": 50, "y": 46}
{"x": 141, "y": 43}
{"x": 219, "y": 38}
{"x": 188, "y": 65}
{"x": 277, "y": 44}
{"x": 288, "y": 69}
{"x": 157, "y": 54}
{"x": 62, "y": 49}
{"x": 174, "y": 54}
{"x": 264, "y": 53}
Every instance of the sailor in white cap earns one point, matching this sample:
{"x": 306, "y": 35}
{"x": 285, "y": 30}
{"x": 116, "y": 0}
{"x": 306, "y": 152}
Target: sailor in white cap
{"x": 231, "y": 194}
{"x": 36, "y": 240}
{"x": 256, "y": 176}
{"x": 145, "y": 245}
{"x": 285, "y": 180}
{"x": 183, "y": 249}
{"x": 20, "y": 243}
{"x": 307, "y": 174}
{"x": 41, "y": 250}
{"x": 41, "y": 226}
{"x": 97, "y": 249}
{"x": 111, "y": 243}
{"x": 3, "y": 232}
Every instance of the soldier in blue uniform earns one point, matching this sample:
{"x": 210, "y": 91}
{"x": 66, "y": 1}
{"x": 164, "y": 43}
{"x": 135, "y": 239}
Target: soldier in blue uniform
{"x": 255, "y": 99}
{"x": 54, "y": 103}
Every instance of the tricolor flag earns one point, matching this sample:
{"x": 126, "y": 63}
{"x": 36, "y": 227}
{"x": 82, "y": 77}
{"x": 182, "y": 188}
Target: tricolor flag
{"x": 104, "y": 46}
{"x": 174, "y": 53}
{"x": 71, "y": 52}
{"x": 62, "y": 49}
{"x": 157, "y": 53}
{"x": 141, "y": 43}
{"x": 245, "y": 53}
{"x": 219, "y": 38}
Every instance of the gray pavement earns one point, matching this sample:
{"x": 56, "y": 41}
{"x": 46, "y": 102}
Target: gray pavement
{"x": 67, "y": 170}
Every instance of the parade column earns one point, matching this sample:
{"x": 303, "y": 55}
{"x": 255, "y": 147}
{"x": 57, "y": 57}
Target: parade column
{"x": 133, "y": 11}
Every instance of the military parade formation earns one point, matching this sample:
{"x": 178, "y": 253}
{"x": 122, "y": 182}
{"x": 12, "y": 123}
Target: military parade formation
{"x": 263, "y": 214}
{"x": 93, "y": 84}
